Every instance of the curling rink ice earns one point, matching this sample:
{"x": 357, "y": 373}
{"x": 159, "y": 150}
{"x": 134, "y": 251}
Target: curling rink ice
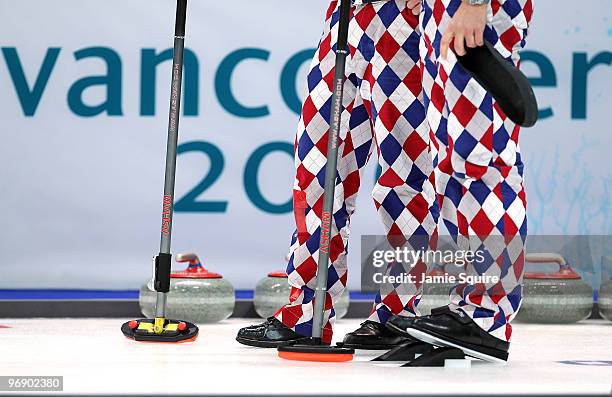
{"x": 95, "y": 358}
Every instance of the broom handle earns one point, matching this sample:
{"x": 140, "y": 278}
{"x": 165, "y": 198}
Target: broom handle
{"x": 330, "y": 169}
{"x": 163, "y": 261}
{"x": 173, "y": 126}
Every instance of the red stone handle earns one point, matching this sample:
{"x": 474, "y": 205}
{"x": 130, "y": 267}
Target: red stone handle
{"x": 565, "y": 270}
{"x": 195, "y": 268}
{"x": 546, "y": 258}
{"x": 191, "y": 258}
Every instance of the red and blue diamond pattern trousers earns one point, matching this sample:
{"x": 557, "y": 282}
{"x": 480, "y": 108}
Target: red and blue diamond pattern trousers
{"x": 474, "y": 148}
{"x": 384, "y": 109}
{"x": 479, "y": 171}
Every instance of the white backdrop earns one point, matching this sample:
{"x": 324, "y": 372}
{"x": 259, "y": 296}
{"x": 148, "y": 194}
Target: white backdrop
{"x": 81, "y": 195}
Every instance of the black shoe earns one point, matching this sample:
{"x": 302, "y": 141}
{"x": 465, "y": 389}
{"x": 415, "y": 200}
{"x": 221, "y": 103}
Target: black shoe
{"x": 271, "y": 333}
{"x": 373, "y": 336}
{"x": 449, "y": 329}
{"x": 400, "y": 323}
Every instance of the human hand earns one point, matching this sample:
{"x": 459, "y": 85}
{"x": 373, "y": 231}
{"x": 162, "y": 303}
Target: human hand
{"x": 414, "y": 6}
{"x": 466, "y": 28}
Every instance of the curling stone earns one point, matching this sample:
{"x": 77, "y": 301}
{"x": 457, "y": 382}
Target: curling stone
{"x": 196, "y": 295}
{"x": 605, "y": 300}
{"x": 272, "y": 292}
{"x": 435, "y": 294}
{"x": 561, "y": 297}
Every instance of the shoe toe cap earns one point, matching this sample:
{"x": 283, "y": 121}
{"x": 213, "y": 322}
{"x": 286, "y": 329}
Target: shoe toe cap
{"x": 249, "y": 332}
{"x": 401, "y": 322}
{"x": 350, "y": 338}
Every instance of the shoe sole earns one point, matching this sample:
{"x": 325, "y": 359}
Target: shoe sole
{"x": 368, "y": 347}
{"x": 268, "y": 345}
{"x": 495, "y": 356}
{"x": 487, "y": 66}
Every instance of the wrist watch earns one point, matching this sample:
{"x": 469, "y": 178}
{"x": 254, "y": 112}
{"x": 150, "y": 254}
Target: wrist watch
{"x": 477, "y": 2}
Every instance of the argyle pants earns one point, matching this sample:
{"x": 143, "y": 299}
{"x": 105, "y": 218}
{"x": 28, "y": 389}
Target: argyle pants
{"x": 384, "y": 109}
{"x": 479, "y": 170}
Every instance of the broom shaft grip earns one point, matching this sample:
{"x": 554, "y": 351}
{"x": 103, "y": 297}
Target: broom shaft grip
{"x": 181, "y": 17}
